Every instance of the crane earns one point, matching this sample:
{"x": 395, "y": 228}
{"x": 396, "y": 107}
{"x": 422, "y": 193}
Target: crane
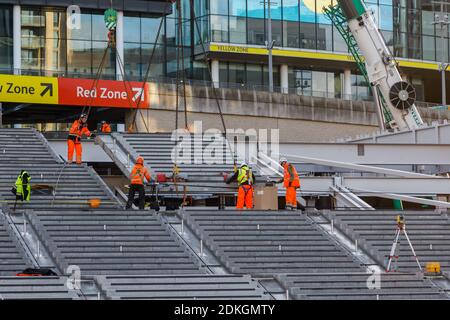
{"x": 394, "y": 97}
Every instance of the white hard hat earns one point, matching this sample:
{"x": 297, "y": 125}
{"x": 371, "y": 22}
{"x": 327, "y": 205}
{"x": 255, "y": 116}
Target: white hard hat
{"x": 283, "y": 160}
{"x": 244, "y": 164}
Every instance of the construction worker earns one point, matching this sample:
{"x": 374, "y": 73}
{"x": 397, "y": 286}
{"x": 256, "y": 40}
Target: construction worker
{"x": 106, "y": 128}
{"x": 78, "y": 129}
{"x": 245, "y": 179}
{"x": 137, "y": 176}
{"x": 291, "y": 183}
{"x": 22, "y": 188}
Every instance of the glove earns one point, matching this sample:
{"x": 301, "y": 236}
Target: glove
{"x": 93, "y": 135}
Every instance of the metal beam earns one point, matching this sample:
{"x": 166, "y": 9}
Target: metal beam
{"x": 396, "y": 196}
{"x": 434, "y": 134}
{"x": 407, "y": 186}
{"x": 358, "y": 167}
{"x": 349, "y": 199}
{"x": 372, "y": 154}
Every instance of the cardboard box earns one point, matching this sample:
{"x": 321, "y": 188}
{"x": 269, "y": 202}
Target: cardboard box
{"x": 265, "y": 197}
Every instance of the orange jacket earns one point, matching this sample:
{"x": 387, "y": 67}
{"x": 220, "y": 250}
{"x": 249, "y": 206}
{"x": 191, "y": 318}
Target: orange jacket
{"x": 291, "y": 178}
{"x": 78, "y": 130}
{"x": 106, "y": 128}
{"x": 138, "y": 174}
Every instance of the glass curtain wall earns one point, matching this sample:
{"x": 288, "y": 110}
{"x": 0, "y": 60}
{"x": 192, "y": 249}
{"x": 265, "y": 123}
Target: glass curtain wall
{"x": 49, "y": 48}
{"x": 405, "y": 24}
{"x": 6, "y": 39}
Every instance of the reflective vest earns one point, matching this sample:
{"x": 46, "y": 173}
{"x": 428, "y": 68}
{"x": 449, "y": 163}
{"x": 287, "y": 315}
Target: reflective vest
{"x": 291, "y": 178}
{"x": 245, "y": 176}
{"x": 20, "y": 184}
{"x": 77, "y": 130}
{"x": 138, "y": 174}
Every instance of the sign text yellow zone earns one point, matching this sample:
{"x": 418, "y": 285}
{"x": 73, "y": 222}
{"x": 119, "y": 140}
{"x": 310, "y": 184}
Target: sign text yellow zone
{"x": 27, "y": 89}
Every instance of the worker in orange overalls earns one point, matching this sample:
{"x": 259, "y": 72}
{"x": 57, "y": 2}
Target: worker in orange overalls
{"x": 106, "y": 128}
{"x": 137, "y": 176}
{"x": 291, "y": 183}
{"x": 245, "y": 179}
{"x": 78, "y": 129}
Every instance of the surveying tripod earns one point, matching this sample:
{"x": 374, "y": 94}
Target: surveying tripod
{"x": 401, "y": 227}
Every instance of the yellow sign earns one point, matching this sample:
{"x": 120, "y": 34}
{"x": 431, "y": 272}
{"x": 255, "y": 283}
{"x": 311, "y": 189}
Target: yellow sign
{"x": 313, "y": 55}
{"x": 28, "y": 89}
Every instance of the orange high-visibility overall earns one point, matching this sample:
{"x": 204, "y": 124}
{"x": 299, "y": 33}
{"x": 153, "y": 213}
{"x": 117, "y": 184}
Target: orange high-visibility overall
{"x": 77, "y": 130}
{"x": 291, "y": 183}
{"x": 106, "y": 128}
{"x": 245, "y": 197}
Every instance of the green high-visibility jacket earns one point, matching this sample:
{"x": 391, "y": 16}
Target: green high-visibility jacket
{"x": 23, "y": 180}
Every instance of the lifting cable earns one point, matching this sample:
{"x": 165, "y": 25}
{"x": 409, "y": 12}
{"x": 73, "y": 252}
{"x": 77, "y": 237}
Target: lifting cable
{"x": 147, "y": 73}
{"x": 200, "y": 39}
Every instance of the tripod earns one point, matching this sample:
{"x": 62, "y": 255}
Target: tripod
{"x": 401, "y": 227}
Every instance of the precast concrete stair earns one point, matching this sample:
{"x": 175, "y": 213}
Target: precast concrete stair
{"x": 429, "y": 232}
{"x": 268, "y": 243}
{"x": 35, "y": 288}
{"x": 204, "y": 287}
{"x": 113, "y": 242}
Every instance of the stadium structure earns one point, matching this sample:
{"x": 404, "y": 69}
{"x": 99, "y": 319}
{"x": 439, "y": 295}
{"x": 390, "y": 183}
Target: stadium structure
{"x": 351, "y": 93}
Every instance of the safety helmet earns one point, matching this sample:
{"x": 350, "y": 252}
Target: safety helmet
{"x": 283, "y": 160}
{"x": 103, "y": 122}
{"x": 244, "y": 164}
{"x": 140, "y": 160}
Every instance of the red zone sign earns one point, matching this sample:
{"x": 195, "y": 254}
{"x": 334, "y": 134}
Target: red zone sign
{"x": 105, "y": 93}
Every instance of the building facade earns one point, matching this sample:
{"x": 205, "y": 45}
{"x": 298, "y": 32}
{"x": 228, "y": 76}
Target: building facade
{"x": 310, "y": 57}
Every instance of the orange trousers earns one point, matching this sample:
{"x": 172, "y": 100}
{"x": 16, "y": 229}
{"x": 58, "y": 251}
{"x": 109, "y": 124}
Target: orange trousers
{"x": 71, "y": 146}
{"x": 291, "y": 196}
{"x": 245, "y": 197}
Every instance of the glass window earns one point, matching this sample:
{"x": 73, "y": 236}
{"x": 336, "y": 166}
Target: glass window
{"x": 132, "y": 27}
{"x": 157, "y": 66}
{"x": 324, "y": 37}
{"x": 277, "y": 33}
{"x": 238, "y": 8}
{"x": 254, "y": 74}
{"x": 219, "y": 7}
{"x": 219, "y": 28}
{"x": 99, "y": 32}
{"x": 291, "y": 10}
{"x": 236, "y": 73}
{"x": 319, "y": 83}
{"x": 429, "y": 51}
{"x": 307, "y": 11}
{"x": 223, "y": 72}
{"x": 149, "y": 30}
{"x": 6, "y": 41}
{"x": 255, "y": 9}
{"x": 132, "y": 58}
{"x": 427, "y": 22}
{"x": 79, "y": 58}
{"x": 386, "y": 18}
{"x": 238, "y": 30}
{"x": 339, "y": 44}
{"x": 170, "y": 32}
{"x": 109, "y": 68}
{"x": 85, "y": 31}
{"x": 55, "y": 56}
{"x": 256, "y": 31}
{"x": 291, "y": 37}
{"x": 308, "y": 35}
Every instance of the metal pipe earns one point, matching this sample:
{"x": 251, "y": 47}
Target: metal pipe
{"x": 182, "y": 226}
{"x": 201, "y": 247}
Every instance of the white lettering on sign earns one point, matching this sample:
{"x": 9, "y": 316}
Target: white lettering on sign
{"x": 105, "y": 93}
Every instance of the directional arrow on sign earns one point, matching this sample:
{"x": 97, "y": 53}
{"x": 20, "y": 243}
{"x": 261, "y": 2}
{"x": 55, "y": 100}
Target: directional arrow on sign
{"x": 139, "y": 92}
{"x": 48, "y": 87}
